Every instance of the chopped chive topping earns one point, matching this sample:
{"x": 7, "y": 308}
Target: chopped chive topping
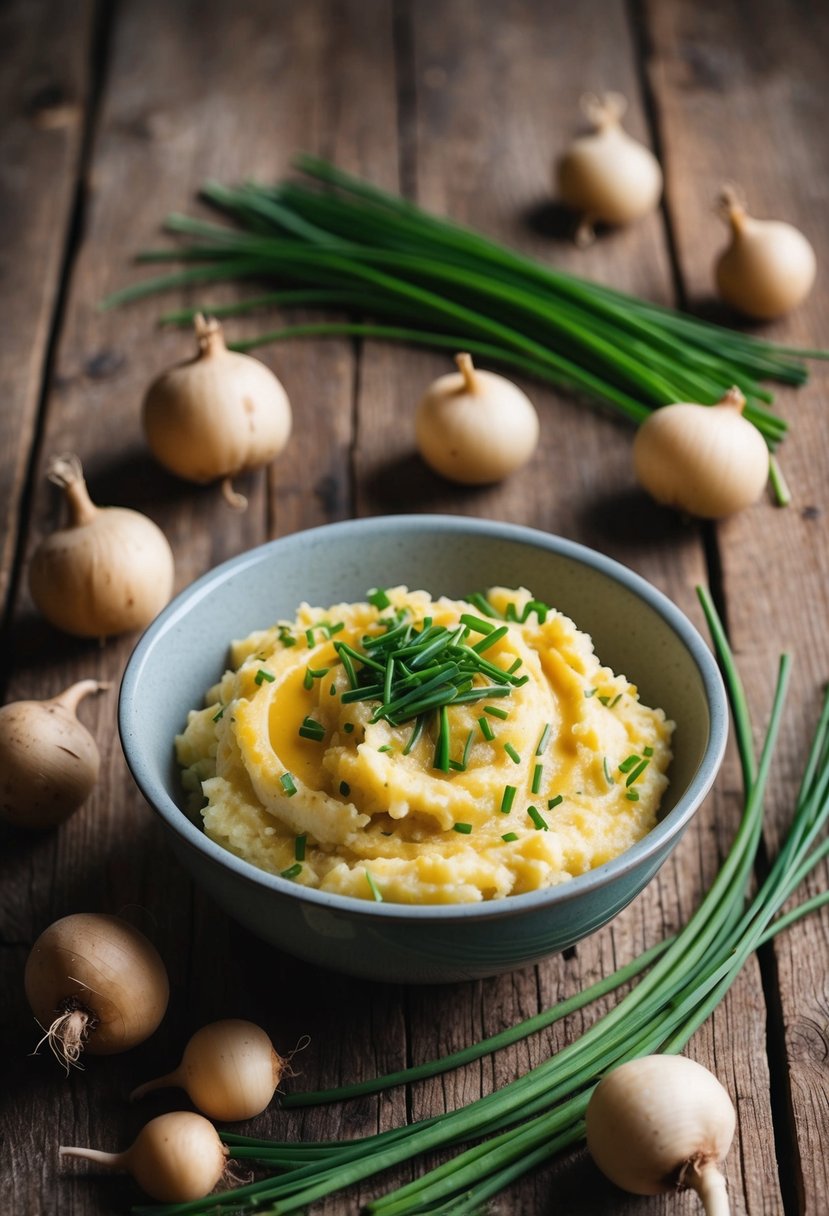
{"x": 647, "y": 751}
{"x": 262, "y": 675}
{"x": 486, "y": 729}
{"x": 491, "y": 638}
{"x": 417, "y": 731}
{"x": 441, "y": 760}
{"x": 286, "y": 637}
{"x": 512, "y": 753}
{"x": 311, "y": 729}
{"x": 309, "y": 636}
{"x": 333, "y": 690}
{"x": 348, "y": 727}
{"x": 476, "y": 623}
{"x": 299, "y": 847}
{"x": 632, "y": 795}
{"x": 537, "y": 818}
{"x": 554, "y": 802}
{"x": 538, "y": 772}
{"x": 287, "y": 783}
{"x": 463, "y": 828}
{"x": 312, "y": 674}
{"x": 544, "y": 740}
{"x": 219, "y": 715}
{"x": 496, "y": 711}
{"x": 385, "y": 748}
{"x": 610, "y": 780}
{"x": 460, "y": 765}
{"x": 345, "y": 789}
{"x": 375, "y": 890}
{"x": 379, "y": 599}
{"x": 590, "y": 692}
{"x": 479, "y": 601}
{"x": 637, "y": 772}
{"x": 509, "y": 837}
{"x": 292, "y": 871}
{"x": 616, "y": 700}
{"x": 628, "y": 763}
{"x": 507, "y": 799}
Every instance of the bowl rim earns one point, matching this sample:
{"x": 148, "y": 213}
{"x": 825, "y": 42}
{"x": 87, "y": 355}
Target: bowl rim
{"x": 638, "y": 855}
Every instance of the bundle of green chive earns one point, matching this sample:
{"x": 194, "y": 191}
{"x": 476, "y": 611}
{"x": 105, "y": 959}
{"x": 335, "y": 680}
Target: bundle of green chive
{"x": 525, "y": 1123}
{"x": 408, "y": 276}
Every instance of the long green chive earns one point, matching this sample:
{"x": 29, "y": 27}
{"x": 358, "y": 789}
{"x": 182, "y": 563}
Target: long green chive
{"x": 512, "y": 753}
{"x": 538, "y": 819}
{"x": 376, "y": 894}
{"x": 507, "y": 799}
{"x": 637, "y": 772}
{"x": 491, "y": 639}
{"x": 292, "y": 871}
{"x": 417, "y": 731}
{"x": 263, "y": 675}
{"x": 476, "y": 623}
{"x": 299, "y": 847}
{"x": 538, "y": 773}
{"x": 486, "y": 730}
{"x": 460, "y": 765}
{"x": 345, "y": 659}
{"x": 463, "y": 828}
{"x": 288, "y": 784}
{"x": 441, "y": 760}
{"x": 311, "y": 729}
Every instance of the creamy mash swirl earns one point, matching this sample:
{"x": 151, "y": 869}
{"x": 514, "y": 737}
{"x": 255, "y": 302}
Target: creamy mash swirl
{"x": 491, "y": 797}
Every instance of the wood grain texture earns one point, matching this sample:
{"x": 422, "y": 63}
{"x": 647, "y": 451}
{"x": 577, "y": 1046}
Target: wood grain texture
{"x": 752, "y": 111}
{"x": 43, "y": 98}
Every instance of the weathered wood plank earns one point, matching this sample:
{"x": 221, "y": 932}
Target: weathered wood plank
{"x": 496, "y": 93}
{"x": 752, "y": 111}
{"x": 193, "y": 91}
{"x": 43, "y": 99}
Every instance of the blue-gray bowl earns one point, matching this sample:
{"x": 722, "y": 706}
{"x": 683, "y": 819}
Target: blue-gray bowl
{"x": 635, "y": 628}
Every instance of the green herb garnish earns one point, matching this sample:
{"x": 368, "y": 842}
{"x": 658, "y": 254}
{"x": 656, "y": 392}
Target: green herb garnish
{"x": 507, "y": 799}
{"x": 463, "y": 828}
{"x": 512, "y": 753}
{"x": 375, "y": 890}
{"x": 554, "y": 802}
{"x": 292, "y": 871}
{"x": 538, "y": 773}
{"x": 263, "y": 675}
{"x": 538, "y": 819}
{"x": 486, "y": 730}
{"x": 311, "y": 729}
{"x": 288, "y": 784}
{"x": 299, "y": 847}
{"x": 509, "y": 837}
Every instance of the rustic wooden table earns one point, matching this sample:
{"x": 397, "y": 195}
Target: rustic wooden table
{"x": 111, "y": 116}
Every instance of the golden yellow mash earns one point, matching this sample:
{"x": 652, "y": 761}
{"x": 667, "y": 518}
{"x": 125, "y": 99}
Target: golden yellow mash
{"x": 328, "y": 753}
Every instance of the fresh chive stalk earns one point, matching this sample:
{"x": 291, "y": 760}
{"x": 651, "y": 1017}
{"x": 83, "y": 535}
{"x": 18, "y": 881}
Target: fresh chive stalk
{"x": 525, "y": 1122}
{"x": 336, "y": 242}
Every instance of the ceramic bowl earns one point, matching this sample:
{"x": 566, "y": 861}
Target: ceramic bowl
{"x": 636, "y": 631}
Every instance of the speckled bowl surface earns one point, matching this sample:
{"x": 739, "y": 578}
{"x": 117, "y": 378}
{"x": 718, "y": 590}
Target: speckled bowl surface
{"x": 636, "y": 630}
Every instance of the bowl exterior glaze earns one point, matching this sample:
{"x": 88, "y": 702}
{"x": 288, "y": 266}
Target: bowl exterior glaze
{"x": 636, "y": 631}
